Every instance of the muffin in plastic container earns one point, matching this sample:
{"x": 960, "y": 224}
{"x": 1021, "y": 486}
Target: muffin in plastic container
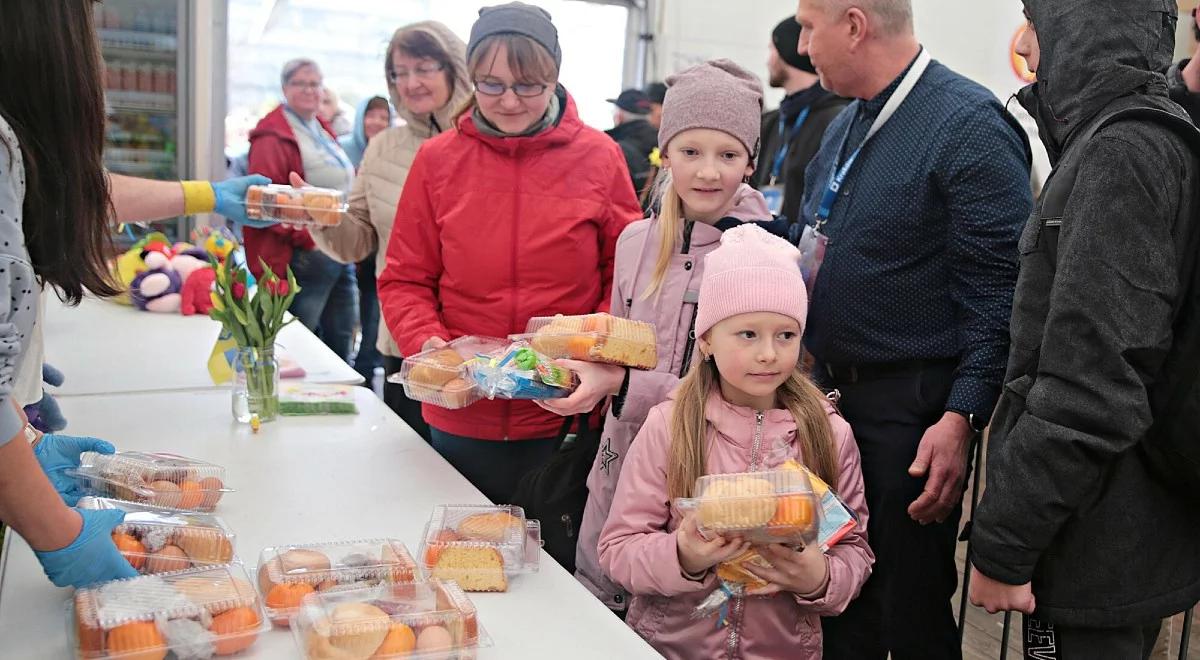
{"x": 161, "y": 479}
{"x": 480, "y": 546}
{"x": 158, "y": 540}
{"x": 593, "y": 338}
{"x": 439, "y": 376}
{"x": 307, "y": 206}
{"x": 771, "y": 506}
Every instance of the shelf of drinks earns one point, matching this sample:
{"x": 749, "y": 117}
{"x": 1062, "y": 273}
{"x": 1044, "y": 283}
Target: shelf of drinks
{"x": 138, "y": 41}
{"x": 120, "y": 99}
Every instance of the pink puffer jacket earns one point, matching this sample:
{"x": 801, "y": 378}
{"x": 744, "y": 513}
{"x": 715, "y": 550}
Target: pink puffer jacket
{"x": 672, "y": 311}
{"x": 638, "y": 547}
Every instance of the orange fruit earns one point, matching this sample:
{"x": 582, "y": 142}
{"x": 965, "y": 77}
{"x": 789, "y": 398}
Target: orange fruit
{"x": 210, "y": 492}
{"x": 579, "y": 347}
{"x": 288, "y": 596}
{"x": 400, "y": 642}
{"x": 139, "y": 640}
{"x": 190, "y": 495}
{"x": 130, "y": 548}
{"x": 234, "y": 630}
{"x": 793, "y": 513}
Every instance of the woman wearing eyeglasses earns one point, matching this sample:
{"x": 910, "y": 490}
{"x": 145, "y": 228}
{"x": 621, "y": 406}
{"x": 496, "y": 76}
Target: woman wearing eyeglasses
{"x": 294, "y": 138}
{"x": 515, "y": 214}
{"x": 426, "y": 73}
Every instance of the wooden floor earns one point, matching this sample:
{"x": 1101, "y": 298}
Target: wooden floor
{"x": 981, "y": 639}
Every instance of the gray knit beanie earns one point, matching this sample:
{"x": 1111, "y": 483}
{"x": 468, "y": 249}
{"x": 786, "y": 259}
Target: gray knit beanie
{"x": 717, "y": 94}
{"x": 516, "y": 18}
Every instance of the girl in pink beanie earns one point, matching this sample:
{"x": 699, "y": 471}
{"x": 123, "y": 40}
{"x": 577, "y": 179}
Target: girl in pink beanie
{"x": 709, "y": 139}
{"x": 746, "y": 406}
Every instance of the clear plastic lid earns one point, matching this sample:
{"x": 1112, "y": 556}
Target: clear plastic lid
{"x": 288, "y": 573}
{"x": 193, "y": 614}
{"x": 480, "y": 546}
{"x": 519, "y": 372}
{"x": 439, "y": 376}
{"x": 594, "y": 338}
{"x": 158, "y": 540}
{"x": 316, "y": 399}
{"x": 774, "y": 506}
{"x": 423, "y": 620}
{"x": 322, "y": 207}
{"x": 166, "y": 480}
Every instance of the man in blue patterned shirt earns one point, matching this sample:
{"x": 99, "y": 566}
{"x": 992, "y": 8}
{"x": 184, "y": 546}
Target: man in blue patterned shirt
{"x": 921, "y": 188}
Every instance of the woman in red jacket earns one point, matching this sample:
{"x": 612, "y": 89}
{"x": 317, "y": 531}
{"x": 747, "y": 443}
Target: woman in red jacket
{"x": 515, "y": 214}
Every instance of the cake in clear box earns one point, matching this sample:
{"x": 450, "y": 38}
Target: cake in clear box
{"x": 439, "y": 376}
{"x": 594, "y": 338}
{"x": 165, "y": 480}
{"x": 196, "y": 613}
{"x": 423, "y": 620}
{"x": 310, "y": 205}
{"x": 158, "y": 540}
{"x": 772, "y": 506}
{"x": 480, "y": 546}
{"x": 286, "y": 574}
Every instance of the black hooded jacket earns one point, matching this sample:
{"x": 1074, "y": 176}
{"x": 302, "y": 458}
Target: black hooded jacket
{"x": 1070, "y": 504}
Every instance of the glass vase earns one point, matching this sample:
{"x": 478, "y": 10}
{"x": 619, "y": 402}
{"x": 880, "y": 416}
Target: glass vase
{"x": 255, "y": 384}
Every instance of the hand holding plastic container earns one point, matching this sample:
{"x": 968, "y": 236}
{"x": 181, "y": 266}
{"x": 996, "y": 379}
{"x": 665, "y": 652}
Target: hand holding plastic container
{"x": 166, "y": 480}
{"x": 158, "y": 540}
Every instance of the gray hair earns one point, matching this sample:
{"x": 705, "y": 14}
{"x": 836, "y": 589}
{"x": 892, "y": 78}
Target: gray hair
{"x": 292, "y": 66}
{"x": 895, "y": 16}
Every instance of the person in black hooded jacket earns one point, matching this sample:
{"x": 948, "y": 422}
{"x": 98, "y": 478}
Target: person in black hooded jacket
{"x": 1074, "y": 529}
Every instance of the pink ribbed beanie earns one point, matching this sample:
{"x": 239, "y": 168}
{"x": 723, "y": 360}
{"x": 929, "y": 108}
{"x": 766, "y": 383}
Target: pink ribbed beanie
{"x": 717, "y": 94}
{"x": 751, "y": 271}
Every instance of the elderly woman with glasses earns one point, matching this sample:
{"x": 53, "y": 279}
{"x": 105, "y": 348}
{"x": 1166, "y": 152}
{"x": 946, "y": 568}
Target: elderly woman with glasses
{"x": 514, "y": 214}
{"x": 293, "y": 138}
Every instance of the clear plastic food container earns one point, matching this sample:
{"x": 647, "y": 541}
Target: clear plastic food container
{"x": 480, "y": 546}
{"x": 424, "y": 620}
{"x": 439, "y": 376}
{"x": 775, "y": 506}
{"x": 286, "y": 574}
{"x": 166, "y": 480}
{"x": 158, "y": 540}
{"x": 593, "y": 338}
{"x": 195, "y": 613}
{"x": 520, "y": 372}
{"x": 322, "y": 207}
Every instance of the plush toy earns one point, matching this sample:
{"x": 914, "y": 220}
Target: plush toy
{"x": 133, "y": 261}
{"x": 157, "y": 290}
{"x": 45, "y": 415}
{"x": 220, "y": 243}
{"x": 197, "y": 274}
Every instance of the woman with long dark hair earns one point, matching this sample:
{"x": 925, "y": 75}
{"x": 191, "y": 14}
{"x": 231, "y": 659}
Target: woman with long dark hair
{"x": 57, "y": 209}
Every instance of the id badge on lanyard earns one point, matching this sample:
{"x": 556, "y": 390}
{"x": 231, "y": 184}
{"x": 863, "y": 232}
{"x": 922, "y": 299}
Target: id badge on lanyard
{"x": 813, "y": 241}
{"x": 773, "y": 191}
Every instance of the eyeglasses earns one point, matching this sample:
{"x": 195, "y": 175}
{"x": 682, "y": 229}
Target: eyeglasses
{"x": 307, "y": 86}
{"x": 422, "y": 72}
{"x": 524, "y": 90}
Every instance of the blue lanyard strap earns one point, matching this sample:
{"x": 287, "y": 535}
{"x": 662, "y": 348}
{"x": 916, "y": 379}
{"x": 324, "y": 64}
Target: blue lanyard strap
{"x": 836, "y": 179}
{"x": 785, "y": 141}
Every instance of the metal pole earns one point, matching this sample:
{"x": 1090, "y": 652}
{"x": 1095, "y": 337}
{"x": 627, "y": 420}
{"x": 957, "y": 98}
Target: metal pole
{"x": 1004, "y": 636}
{"x": 1187, "y": 632}
{"x": 977, "y": 458}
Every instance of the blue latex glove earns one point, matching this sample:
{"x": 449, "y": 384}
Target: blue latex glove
{"x": 231, "y": 199}
{"x": 59, "y": 453}
{"x": 91, "y": 557}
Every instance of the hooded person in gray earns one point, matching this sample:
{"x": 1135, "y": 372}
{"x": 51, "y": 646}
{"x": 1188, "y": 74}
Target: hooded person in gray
{"x": 1074, "y": 528}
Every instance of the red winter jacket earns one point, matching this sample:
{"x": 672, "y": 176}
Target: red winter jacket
{"x": 274, "y": 153}
{"x": 492, "y": 231}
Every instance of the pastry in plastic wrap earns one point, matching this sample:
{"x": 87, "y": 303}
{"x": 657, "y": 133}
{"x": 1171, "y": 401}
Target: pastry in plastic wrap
{"x": 480, "y": 547}
{"x": 737, "y": 503}
{"x": 594, "y": 338}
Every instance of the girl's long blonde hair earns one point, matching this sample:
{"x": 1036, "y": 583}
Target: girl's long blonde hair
{"x": 669, "y": 214}
{"x": 688, "y": 457}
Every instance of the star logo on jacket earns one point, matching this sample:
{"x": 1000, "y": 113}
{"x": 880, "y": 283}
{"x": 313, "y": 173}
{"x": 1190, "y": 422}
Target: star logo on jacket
{"x": 607, "y": 455}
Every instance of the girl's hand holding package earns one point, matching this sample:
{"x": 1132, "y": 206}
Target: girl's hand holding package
{"x": 696, "y": 554}
{"x": 804, "y": 571}
{"x": 596, "y": 382}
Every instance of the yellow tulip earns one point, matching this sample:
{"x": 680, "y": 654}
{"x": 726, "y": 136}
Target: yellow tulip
{"x": 216, "y": 301}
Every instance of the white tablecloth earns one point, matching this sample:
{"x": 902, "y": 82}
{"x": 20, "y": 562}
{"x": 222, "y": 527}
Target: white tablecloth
{"x": 311, "y": 479}
{"x": 106, "y": 348}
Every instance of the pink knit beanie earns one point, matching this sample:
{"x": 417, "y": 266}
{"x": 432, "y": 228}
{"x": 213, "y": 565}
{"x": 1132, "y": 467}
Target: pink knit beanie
{"x": 717, "y": 94}
{"x": 751, "y": 271}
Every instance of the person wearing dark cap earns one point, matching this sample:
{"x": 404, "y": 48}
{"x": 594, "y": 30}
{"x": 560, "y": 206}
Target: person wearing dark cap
{"x": 513, "y": 214}
{"x": 791, "y": 134}
{"x": 634, "y": 134}
{"x": 656, "y": 92}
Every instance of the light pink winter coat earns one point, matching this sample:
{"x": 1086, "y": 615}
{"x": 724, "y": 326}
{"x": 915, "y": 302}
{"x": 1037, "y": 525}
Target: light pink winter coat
{"x": 672, "y": 311}
{"x": 638, "y": 546}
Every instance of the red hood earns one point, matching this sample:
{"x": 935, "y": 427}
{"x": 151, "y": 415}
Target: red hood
{"x": 275, "y": 123}
{"x": 563, "y": 132}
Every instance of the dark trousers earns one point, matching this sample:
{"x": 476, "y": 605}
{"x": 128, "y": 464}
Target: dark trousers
{"x": 1046, "y": 641}
{"x": 904, "y": 608}
{"x": 368, "y": 356}
{"x": 327, "y": 303}
{"x": 493, "y": 466}
{"x": 398, "y": 401}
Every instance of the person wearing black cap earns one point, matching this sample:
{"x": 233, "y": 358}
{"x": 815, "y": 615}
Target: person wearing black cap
{"x": 656, "y": 92}
{"x": 635, "y": 135}
{"x": 791, "y": 134}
